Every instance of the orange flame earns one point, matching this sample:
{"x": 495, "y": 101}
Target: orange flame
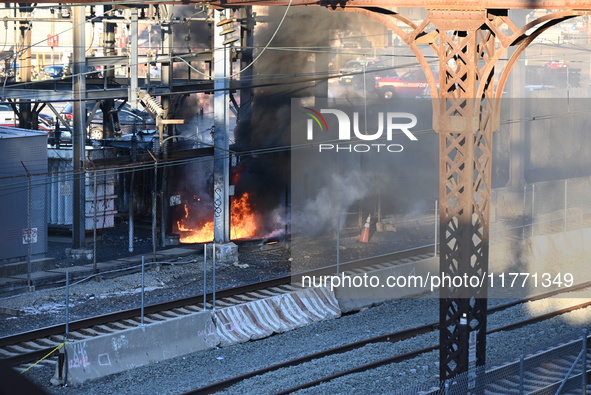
{"x": 243, "y": 224}
{"x": 243, "y": 221}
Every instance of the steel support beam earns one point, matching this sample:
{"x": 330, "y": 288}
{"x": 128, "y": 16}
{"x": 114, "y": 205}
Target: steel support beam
{"x": 221, "y": 162}
{"x": 435, "y": 4}
{"x": 40, "y": 94}
{"x": 79, "y": 137}
{"x": 108, "y": 73}
{"x": 167, "y": 78}
{"x": 246, "y": 57}
{"x": 468, "y": 44}
{"x": 133, "y": 60}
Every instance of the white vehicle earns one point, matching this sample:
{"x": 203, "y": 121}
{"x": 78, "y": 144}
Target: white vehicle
{"x": 7, "y": 116}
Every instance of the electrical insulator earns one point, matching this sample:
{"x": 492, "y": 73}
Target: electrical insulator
{"x": 230, "y": 40}
{"x": 227, "y": 30}
{"x": 152, "y": 104}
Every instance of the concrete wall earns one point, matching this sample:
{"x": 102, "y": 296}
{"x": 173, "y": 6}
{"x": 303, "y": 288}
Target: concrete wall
{"x": 104, "y": 355}
{"x": 547, "y": 256}
{"x": 113, "y": 353}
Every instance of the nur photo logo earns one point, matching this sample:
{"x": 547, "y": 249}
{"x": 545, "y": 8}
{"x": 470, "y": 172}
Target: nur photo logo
{"x": 388, "y": 123}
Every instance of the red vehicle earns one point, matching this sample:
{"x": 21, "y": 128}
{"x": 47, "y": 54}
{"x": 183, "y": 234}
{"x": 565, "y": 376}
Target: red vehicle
{"x": 410, "y": 84}
{"x": 556, "y": 64}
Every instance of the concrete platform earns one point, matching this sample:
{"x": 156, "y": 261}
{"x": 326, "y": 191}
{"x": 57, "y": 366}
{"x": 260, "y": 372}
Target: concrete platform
{"x": 108, "y": 265}
{"x": 38, "y": 277}
{"x": 73, "y": 270}
{"x": 178, "y": 251}
{"x": 13, "y": 277}
{"x": 133, "y": 259}
{"x": 21, "y": 267}
{"x": 17, "y": 284}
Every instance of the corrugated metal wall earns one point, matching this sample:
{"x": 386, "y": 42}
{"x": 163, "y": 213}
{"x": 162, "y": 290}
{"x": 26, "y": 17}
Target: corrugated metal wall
{"x": 22, "y": 151}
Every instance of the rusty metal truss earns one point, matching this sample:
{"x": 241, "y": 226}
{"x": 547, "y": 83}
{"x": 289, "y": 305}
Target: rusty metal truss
{"x": 429, "y": 4}
{"x": 468, "y": 45}
{"x": 580, "y": 5}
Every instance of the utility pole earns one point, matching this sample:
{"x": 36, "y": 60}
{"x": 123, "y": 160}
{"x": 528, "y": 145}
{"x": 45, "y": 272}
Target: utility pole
{"x": 221, "y": 162}
{"x": 166, "y": 76}
{"x": 108, "y": 73}
{"x": 133, "y": 60}
{"x": 79, "y": 140}
{"x": 25, "y": 117}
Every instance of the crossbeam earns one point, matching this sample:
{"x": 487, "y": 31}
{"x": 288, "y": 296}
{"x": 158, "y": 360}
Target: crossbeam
{"x": 432, "y": 4}
{"x": 583, "y": 5}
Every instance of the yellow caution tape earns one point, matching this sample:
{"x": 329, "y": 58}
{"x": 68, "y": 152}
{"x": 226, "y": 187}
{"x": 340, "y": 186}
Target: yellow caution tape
{"x": 45, "y": 357}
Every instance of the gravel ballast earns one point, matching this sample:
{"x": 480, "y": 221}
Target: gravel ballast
{"x": 193, "y": 371}
{"x": 184, "y": 278}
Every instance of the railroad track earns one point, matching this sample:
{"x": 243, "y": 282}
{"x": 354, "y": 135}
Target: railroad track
{"x": 393, "y": 338}
{"x": 25, "y": 348}
{"x": 541, "y": 378}
{"x": 29, "y": 347}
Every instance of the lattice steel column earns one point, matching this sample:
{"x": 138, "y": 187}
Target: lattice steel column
{"x": 464, "y": 116}
{"x": 462, "y": 119}
{"x": 468, "y": 44}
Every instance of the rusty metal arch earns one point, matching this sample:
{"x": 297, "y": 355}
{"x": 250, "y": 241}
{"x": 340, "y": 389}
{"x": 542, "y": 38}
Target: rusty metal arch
{"x": 418, "y": 35}
{"x": 468, "y": 44}
{"x": 522, "y": 40}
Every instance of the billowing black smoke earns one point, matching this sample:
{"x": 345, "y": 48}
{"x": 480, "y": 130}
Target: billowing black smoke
{"x": 295, "y": 65}
{"x": 262, "y": 135}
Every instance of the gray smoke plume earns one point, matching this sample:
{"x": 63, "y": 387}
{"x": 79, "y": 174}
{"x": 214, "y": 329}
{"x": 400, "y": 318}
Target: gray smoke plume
{"x": 326, "y": 210}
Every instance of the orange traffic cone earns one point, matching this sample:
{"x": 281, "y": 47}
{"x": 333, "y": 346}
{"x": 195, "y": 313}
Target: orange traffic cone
{"x": 364, "y": 238}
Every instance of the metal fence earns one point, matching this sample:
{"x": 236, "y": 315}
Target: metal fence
{"x": 557, "y": 206}
{"x": 543, "y": 208}
{"x": 538, "y": 209}
{"x": 553, "y": 369}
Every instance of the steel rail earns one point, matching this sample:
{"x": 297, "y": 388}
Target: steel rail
{"x": 58, "y": 330}
{"x": 392, "y": 338}
{"x": 131, "y": 314}
{"x": 412, "y": 354}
